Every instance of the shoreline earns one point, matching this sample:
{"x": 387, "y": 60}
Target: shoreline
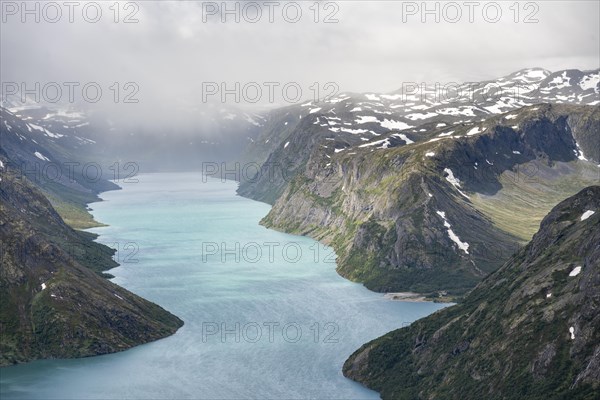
{"x": 407, "y": 296}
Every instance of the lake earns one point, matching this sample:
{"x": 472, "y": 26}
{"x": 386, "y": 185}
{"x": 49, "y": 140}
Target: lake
{"x": 266, "y": 315}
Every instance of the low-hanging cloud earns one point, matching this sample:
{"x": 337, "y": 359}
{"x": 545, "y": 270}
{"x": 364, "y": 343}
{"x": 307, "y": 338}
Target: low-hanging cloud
{"x": 176, "y": 47}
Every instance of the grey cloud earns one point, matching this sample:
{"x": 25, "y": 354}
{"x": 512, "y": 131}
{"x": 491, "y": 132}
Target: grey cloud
{"x": 171, "y": 51}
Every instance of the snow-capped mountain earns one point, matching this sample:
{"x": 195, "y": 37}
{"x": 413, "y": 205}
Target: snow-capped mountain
{"x": 372, "y": 121}
{"x": 417, "y": 108}
{"x": 384, "y": 177}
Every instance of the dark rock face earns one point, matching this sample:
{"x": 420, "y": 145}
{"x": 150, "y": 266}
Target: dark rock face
{"x": 55, "y": 303}
{"x": 529, "y": 330}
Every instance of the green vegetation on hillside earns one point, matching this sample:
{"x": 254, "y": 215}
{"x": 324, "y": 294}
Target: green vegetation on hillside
{"x": 397, "y": 220}
{"x": 531, "y": 330}
{"x": 55, "y": 301}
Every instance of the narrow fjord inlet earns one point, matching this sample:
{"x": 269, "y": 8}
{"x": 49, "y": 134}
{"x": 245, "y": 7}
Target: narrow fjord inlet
{"x": 160, "y": 225}
{"x": 300, "y": 200}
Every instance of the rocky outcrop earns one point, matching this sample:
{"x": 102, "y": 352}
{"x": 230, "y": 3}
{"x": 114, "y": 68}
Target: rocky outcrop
{"x": 404, "y": 218}
{"x": 55, "y": 303}
{"x": 529, "y": 330}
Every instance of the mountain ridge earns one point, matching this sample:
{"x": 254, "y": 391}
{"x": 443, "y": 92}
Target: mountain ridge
{"x": 387, "y": 212}
{"x": 55, "y": 303}
{"x": 528, "y": 330}
{"x": 362, "y": 172}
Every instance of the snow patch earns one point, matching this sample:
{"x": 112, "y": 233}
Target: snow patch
{"x": 572, "y": 332}
{"x": 579, "y": 153}
{"x": 361, "y": 119}
{"x": 43, "y": 286}
{"x": 430, "y": 154}
{"x": 354, "y": 131}
{"x": 561, "y": 81}
{"x": 576, "y": 271}
{"x": 454, "y": 181}
{"x": 538, "y": 74}
{"x": 590, "y": 82}
{"x": 286, "y": 145}
{"x": 417, "y": 116}
{"x": 464, "y": 246}
{"x": 474, "y": 131}
{"x": 385, "y": 143}
{"x": 46, "y": 131}
{"x": 391, "y": 96}
{"x": 403, "y": 137}
{"x": 391, "y": 124}
{"x": 253, "y": 122}
{"x": 41, "y": 156}
{"x": 587, "y": 214}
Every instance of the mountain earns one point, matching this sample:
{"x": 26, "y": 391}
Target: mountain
{"x": 182, "y": 139}
{"x": 56, "y": 300}
{"x": 529, "y": 330}
{"x": 55, "y": 303}
{"x": 57, "y": 161}
{"x": 434, "y": 207}
{"x": 348, "y": 120}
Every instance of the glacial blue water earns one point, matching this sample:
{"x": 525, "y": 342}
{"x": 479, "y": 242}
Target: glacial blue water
{"x": 266, "y": 315}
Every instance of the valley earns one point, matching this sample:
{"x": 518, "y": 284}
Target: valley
{"x": 426, "y": 200}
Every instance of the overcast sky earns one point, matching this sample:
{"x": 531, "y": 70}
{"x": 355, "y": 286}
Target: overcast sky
{"x": 373, "y": 46}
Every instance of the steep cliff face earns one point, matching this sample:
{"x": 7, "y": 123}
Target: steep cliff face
{"x": 55, "y": 303}
{"x": 529, "y": 330}
{"x": 409, "y": 216}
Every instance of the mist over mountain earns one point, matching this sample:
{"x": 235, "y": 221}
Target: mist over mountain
{"x": 278, "y": 200}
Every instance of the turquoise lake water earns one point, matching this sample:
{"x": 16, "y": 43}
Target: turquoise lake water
{"x": 266, "y": 315}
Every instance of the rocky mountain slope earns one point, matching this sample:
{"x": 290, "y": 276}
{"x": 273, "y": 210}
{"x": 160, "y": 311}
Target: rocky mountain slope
{"x": 437, "y": 205}
{"x": 56, "y": 159}
{"x": 348, "y": 121}
{"x": 412, "y": 217}
{"x": 529, "y": 330}
{"x": 55, "y": 303}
